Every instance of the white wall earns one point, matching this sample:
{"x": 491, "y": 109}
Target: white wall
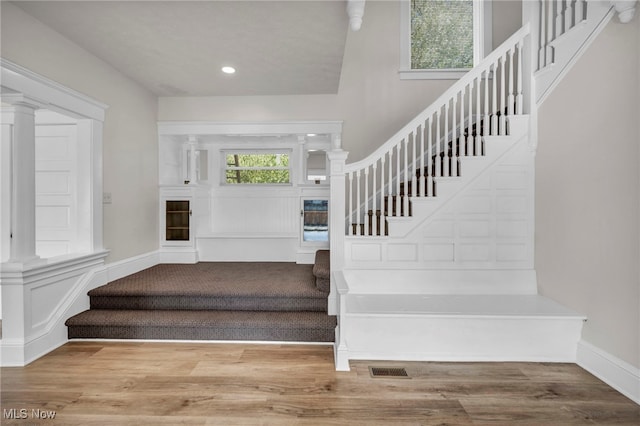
{"x": 130, "y": 137}
{"x": 372, "y": 101}
{"x": 588, "y": 192}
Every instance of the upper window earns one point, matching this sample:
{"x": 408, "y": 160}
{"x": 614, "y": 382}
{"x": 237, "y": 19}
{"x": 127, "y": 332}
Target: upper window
{"x": 443, "y": 38}
{"x": 242, "y": 167}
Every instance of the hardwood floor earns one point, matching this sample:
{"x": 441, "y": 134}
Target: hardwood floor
{"x": 134, "y": 383}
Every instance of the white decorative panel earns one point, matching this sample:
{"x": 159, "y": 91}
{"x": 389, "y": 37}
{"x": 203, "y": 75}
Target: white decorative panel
{"x": 508, "y": 204}
{"x": 474, "y": 204}
{"x": 483, "y": 182}
{"x": 474, "y": 252}
{"x": 511, "y": 228}
{"x": 366, "y": 252}
{"x": 439, "y": 229}
{"x": 255, "y": 215}
{"x": 474, "y": 228}
{"x": 53, "y": 183}
{"x": 52, "y": 148}
{"x": 511, "y": 252}
{"x": 52, "y": 216}
{"x": 396, "y": 252}
{"x": 438, "y": 252}
{"x": 510, "y": 180}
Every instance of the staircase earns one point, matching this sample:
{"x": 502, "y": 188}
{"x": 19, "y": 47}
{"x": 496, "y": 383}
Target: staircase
{"x": 213, "y": 301}
{"x": 436, "y": 261}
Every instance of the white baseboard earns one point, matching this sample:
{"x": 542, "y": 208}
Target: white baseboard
{"x": 122, "y": 268}
{"x": 620, "y": 375}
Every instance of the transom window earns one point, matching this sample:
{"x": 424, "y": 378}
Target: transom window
{"x": 263, "y": 167}
{"x": 443, "y": 38}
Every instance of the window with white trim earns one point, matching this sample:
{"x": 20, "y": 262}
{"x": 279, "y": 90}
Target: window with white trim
{"x": 443, "y": 39}
{"x": 257, "y": 167}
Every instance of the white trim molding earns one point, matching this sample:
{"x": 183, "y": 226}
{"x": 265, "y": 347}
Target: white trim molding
{"x": 620, "y": 375}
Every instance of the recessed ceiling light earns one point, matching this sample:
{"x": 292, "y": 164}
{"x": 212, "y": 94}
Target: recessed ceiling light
{"x": 311, "y": 134}
{"x": 228, "y": 70}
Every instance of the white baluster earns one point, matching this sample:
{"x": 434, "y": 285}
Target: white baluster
{"x": 429, "y": 173}
{"x": 549, "y": 50}
{"x": 511, "y": 98}
{"x": 463, "y": 141}
{"x": 383, "y": 224}
{"x": 390, "y": 187}
{"x": 350, "y": 201}
{"x": 397, "y": 203}
{"x": 519, "y": 98}
{"x": 445, "y": 141}
{"x": 476, "y": 139}
{"x": 494, "y": 100}
{"x": 414, "y": 162}
{"x": 470, "y": 139}
{"x": 501, "y": 125}
{"x": 436, "y": 145}
{"x": 358, "y": 216}
{"x": 454, "y": 143}
{"x": 405, "y": 199}
{"x": 542, "y": 46}
{"x": 423, "y": 182}
{"x": 485, "y": 120}
{"x": 559, "y": 16}
{"x": 579, "y": 11}
{"x": 568, "y": 15}
{"x": 374, "y": 201}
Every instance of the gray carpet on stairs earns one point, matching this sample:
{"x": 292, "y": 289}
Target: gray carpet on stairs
{"x": 210, "y": 301}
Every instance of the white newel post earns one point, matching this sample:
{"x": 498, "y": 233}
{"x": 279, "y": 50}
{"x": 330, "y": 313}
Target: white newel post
{"x": 337, "y": 159}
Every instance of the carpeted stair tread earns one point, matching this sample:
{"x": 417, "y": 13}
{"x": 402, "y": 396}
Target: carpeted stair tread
{"x": 269, "y": 286}
{"x": 203, "y": 325}
{"x": 222, "y": 279}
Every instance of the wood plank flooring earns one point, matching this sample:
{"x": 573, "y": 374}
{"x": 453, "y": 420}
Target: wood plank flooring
{"x": 149, "y": 383}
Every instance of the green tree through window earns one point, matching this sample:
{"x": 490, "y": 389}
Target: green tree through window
{"x": 252, "y": 168}
{"x": 441, "y": 34}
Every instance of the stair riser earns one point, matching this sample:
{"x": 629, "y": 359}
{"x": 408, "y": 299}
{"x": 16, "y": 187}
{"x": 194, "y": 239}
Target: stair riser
{"x": 201, "y": 333}
{"x": 204, "y": 303}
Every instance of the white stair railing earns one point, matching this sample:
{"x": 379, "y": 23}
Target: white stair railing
{"x": 431, "y": 145}
{"x": 557, "y": 17}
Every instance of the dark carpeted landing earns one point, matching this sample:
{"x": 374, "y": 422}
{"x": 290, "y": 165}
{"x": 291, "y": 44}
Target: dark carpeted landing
{"x": 213, "y": 301}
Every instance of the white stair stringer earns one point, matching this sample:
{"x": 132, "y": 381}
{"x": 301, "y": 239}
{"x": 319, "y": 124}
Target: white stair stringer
{"x": 570, "y": 46}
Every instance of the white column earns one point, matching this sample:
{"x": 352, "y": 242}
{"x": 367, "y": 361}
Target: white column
{"x": 193, "y": 160}
{"x": 5, "y": 183}
{"x": 337, "y": 159}
{"x": 23, "y": 187}
{"x": 303, "y": 155}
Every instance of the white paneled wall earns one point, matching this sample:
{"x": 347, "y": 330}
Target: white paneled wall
{"x": 257, "y": 212}
{"x": 488, "y": 225}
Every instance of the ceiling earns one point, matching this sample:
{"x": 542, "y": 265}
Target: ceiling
{"x": 177, "y": 48}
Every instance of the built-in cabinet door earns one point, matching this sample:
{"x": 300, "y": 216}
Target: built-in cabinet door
{"x": 177, "y": 222}
{"x": 315, "y": 221}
